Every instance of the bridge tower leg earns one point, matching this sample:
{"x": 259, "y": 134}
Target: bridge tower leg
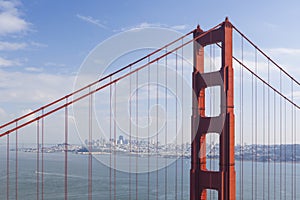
{"x": 201, "y": 179}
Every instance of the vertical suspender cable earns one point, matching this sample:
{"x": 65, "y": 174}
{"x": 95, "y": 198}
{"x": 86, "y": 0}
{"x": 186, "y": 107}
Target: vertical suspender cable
{"x": 115, "y": 142}
{"x": 297, "y": 160}
{"x": 294, "y": 150}
{"x": 241, "y": 143}
{"x": 90, "y": 148}
{"x": 285, "y": 141}
{"x": 295, "y": 185}
{"x": 176, "y": 126}
{"x": 157, "y": 130}
{"x": 7, "y": 167}
{"x": 280, "y": 143}
{"x": 37, "y": 158}
{"x": 212, "y": 107}
{"x": 210, "y": 110}
{"x": 137, "y": 135}
{"x": 148, "y": 131}
{"x": 268, "y": 131}
{"x": 242, "y": 121}
{"x": 274, "y": 162}
{"x": 182, "y": 126}
{"x": 166, "y": 126}
{"x": 252, "y": 140}
{"x": 208, "y": 154}
{"x": 17, "y": 149}
{"x": 130, "y": 129}
{"x": 43, "y": 167}
{"x": 66, "y": 151}
{"x": 292, "y": 132}
{"x": 256, "y": 124}
{"x": 264, "y": 140}
{"x": 110, "y": 141}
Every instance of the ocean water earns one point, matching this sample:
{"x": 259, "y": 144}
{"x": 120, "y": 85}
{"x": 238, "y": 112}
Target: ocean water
{"x": 258, "y": 178}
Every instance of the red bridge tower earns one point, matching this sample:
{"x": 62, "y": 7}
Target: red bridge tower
{"x": 200, "y": 178}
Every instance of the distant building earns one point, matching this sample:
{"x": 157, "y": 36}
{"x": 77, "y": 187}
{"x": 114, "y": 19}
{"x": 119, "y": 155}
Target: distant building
{"x": 126, "y": 141}
{"x": 121, "y": 139}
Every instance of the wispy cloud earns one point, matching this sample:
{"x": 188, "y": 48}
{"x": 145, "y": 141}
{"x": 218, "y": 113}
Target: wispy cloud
{"x": 8, "y": 63}
{"x": 14, "y": 46}
{"x": 11, "y": 46}
{"x": 296, "y": 95}
{"x": 271, "y": 25}
{"x": 289, "y": 51}
{"x": 155, "y": 25}
{"x": 38, "y": 44}
{"x": 33, "y": 69}
{"x": 147, "y": 25}
{"x": 288, "y": 58}
{"x": 141, "y": 25}
{"x": 11, "y": 21}
{"x": 179, "y": 27}
{"x": 22, "y": 92}
{"x": 2, "y": 113}
{"x": 91, "y": 20}
{"x": 41, "y": 87}
{"x": 53, "y": 64}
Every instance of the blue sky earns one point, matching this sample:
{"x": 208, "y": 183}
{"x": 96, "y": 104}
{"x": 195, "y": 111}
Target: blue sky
{"x": 44, "y": 42}
{"x": 57, "y": 35}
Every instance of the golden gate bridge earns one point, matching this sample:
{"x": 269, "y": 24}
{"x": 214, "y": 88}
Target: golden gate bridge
{"x": 239, "y": 148}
